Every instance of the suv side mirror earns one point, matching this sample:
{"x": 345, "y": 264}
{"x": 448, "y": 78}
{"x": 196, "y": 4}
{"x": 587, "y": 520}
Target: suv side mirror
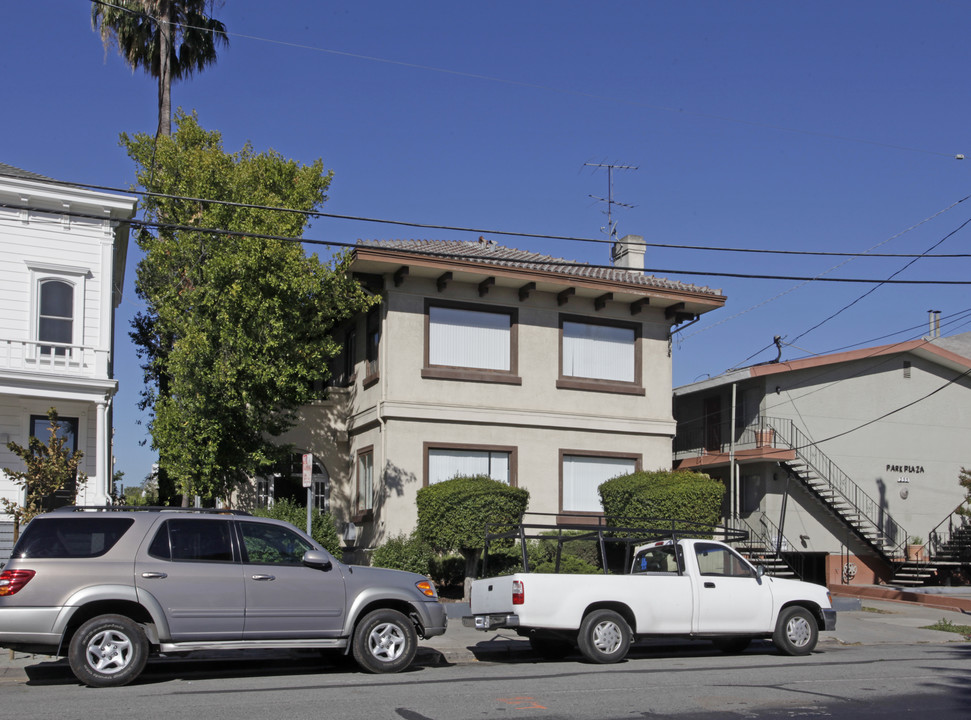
{"x": 318, "y": 560}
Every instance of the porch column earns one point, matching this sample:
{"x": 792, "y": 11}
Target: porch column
{"x": 102, "y": 483}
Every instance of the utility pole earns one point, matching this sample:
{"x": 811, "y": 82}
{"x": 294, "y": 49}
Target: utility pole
{"x": 611, "y": 228}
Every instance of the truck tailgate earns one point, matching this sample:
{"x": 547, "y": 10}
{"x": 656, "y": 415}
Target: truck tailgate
{"x": 492, "y": 595}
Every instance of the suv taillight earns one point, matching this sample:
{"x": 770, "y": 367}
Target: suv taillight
{"x": 518, "y": 592}
{"x": 11, "y": 581}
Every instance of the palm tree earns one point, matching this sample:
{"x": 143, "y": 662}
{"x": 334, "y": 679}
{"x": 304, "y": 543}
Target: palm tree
{"x": 169, "y": 39}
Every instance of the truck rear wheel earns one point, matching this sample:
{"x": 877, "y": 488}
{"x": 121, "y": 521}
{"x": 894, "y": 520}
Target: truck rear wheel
{"x": 796, "y": 632}
{"x": 604, "y": 637}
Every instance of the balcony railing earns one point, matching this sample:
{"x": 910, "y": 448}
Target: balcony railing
{"x": 50, "y": 358}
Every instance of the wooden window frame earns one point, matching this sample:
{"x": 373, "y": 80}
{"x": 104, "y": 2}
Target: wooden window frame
{"x": 566, "y": 515}
{"x": 570, "y": 382}
{"x": 511, "y": 449}
{"x": 467, "y": 374}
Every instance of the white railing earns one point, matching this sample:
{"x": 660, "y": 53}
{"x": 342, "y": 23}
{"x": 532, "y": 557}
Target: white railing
{"x": 53, "y": 358}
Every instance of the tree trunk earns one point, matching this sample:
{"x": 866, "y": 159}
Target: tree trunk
{"x": 165, "y": 69}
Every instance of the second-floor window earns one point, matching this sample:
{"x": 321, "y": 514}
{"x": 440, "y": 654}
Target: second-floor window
{"x": 601, "y": 356}
{"x": 471, "y": 342}
{"x": 56, "y": 317}
{"x": 468, "y": 338}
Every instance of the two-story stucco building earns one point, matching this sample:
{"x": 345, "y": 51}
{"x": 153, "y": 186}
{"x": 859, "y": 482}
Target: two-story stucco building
{"x": 841, "y": 461}
{"x": 483, "y": 359}
{"x": 62, "y": 266}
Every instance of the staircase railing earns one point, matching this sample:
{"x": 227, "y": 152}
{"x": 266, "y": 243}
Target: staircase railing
{"x": 940, "y": 538}
{"x": 698, "y": 438}
{"x": 767, "y": 537}
{"x": 891, "y": 537}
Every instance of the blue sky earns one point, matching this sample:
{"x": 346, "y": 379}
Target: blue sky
{"x": 823, "y": 126}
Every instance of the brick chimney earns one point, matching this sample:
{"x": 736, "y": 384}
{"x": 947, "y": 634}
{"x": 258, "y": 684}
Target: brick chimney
{"x": 628, "y": 252}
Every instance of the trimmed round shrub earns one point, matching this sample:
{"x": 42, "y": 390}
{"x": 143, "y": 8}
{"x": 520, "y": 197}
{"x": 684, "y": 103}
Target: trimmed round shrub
{"x": 668, "y": 494}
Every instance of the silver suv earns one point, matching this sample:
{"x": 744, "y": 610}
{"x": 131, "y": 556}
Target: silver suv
{"x": 109, "y": 586}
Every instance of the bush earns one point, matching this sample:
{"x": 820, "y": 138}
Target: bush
{"x": 673, "y": 494}
{"x": 569, "y": 565}
{"x": 404, "y": 552}
{"x": 322, "y": 528}
{"x": 452, "y": 515}
{"x": 447, "y": 570}
{"x": 544, "y": 551}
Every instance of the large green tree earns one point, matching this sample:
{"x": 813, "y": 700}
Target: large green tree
{"x": 168, "y": 39}
{"x": 238, "y": 327}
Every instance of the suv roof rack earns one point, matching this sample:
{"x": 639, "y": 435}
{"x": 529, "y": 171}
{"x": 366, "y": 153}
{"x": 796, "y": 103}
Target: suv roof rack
{"x": 148, "y": 508}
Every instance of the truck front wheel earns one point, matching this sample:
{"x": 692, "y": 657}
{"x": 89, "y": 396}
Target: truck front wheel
{"x": 604, "y": 637}
{"x": 796, "y": 632}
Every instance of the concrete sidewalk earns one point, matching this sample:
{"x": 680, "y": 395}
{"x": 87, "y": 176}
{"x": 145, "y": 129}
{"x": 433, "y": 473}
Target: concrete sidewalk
{"x": 859, "y": 622}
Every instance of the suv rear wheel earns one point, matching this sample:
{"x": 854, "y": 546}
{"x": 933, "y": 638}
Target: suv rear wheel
{"x": 108, "y": 651}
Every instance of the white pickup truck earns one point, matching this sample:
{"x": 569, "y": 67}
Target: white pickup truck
{"x": 676, "y": 587}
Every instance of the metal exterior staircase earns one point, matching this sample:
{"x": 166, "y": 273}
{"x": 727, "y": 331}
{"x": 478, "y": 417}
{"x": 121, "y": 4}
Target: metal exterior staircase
{"x": 837, "y": 493}
{"x": 947, "y": 550}
{"x": 765, "y": 546}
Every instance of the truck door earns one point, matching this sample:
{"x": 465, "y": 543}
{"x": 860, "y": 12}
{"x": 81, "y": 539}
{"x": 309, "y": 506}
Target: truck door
{"x": 730, "y": 597}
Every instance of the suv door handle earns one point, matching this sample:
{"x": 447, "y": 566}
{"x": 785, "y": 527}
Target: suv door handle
{"x": 709, "y": 584}
{"x": 154, "y": 575}
{"x": 264, "y": 577}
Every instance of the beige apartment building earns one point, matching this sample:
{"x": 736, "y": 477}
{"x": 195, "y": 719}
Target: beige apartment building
{"x": 484, "y": 359}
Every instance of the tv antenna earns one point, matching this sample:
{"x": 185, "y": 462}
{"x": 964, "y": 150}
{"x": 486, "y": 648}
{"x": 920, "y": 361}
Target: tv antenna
{"x": 611, "y": 228}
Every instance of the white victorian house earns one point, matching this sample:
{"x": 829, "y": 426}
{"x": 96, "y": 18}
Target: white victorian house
{"x": 62, "y": 266}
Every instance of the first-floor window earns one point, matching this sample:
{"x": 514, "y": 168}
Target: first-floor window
{"x": 365, "y": 479}
{"x": 583, "y": 474}
{"x": 447, "y": 463}
{"x": 67, "y": 430}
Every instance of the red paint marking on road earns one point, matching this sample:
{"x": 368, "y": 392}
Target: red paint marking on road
{"x": 523, "y": 703}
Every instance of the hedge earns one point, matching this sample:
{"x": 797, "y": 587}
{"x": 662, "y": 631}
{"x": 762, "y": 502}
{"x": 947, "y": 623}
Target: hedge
{"x": 452, "y": 515}
{"x": 670, "y": 494}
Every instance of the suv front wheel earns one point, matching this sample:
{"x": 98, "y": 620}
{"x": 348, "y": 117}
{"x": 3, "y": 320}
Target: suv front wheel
{"x": 108, "y": 651}
{"x": 385, "y": 641}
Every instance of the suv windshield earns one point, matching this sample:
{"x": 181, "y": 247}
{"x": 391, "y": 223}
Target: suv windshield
{"x": 66, "y": 537}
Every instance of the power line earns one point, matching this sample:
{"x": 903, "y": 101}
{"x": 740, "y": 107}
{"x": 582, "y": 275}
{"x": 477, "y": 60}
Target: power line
{"x": 832, "y": 269}
{"x": 537, "y": 236}
{"x": 460, "y": 256}
{"x": 877, "y": 287}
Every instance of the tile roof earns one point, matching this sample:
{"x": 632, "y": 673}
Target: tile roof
{"x": 495, "y": 254}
